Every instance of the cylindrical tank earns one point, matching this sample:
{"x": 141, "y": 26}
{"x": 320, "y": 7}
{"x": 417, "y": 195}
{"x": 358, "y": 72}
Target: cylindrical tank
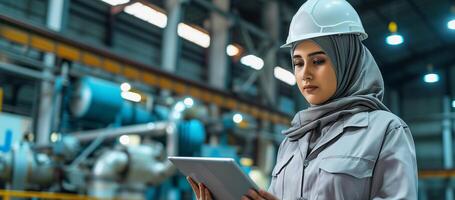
{"x": 133, "y": 113}
{"x": 191, "y": 137}
{"x": 96, "y": 99}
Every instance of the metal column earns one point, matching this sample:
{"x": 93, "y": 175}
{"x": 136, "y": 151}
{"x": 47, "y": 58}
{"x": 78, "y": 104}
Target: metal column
{"x": 170, "y": 37}
{"x": 56, "y": 18}
{"x": 218, "y": 62}
{"x": 447, "y": 143}
{"x": 271, "y": 22}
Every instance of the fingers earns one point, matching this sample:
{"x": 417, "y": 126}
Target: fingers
{"x": 201, "y": 191}
{"x": 207, "y": 194}
{"x": 194, "y": 186}
{"x": 251, "y": 194}
{"x": 204, "y": 192}
{"x": 245, "y": 198}
{"x": 267, "y": 195}
{"x": 258, "y": 195}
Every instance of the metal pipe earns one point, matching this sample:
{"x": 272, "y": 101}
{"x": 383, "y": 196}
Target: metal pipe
{"x": 170, "y": 37}
{"x": 98, "y": 136}
{"x": 24, "y": 71}
{"x": 447, "y": 143}
{"x": 153, "y": 129}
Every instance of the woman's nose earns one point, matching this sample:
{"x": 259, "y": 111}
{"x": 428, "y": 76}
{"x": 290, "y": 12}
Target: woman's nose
{"x": 306, "y": 73}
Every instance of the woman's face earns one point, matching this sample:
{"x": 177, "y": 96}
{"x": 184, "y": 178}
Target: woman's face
{"x": 314, "y": 72}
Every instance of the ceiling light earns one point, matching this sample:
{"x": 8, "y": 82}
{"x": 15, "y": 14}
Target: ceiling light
{"x": 147, "y": 14}
{"x": 431, "y": 78}
{"x": 252, "y": 61}
{"x": 284, "y": 75}
{"x": 451, "y": 24}
{"x": 232, "y": 50}
{"x": 394, "y": 39}
{"x": 193, "y": 35}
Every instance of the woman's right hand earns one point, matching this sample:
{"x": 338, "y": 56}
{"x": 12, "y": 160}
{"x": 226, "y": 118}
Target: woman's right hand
{"x": 199, "y": 189}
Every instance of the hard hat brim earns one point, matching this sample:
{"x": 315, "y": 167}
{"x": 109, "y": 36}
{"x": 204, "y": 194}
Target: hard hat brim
{"x": 362, "y": 36}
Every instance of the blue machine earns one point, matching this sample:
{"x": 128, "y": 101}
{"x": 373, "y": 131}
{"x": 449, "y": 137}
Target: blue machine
{"x": 100, "y": 101}
{"x": 191, "y": 137}
{"x": 133, "y": 113}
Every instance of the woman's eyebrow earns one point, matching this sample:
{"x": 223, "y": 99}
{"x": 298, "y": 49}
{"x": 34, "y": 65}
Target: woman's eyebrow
{"x": 309, "y": 55}
{"x": 316, "y": 53}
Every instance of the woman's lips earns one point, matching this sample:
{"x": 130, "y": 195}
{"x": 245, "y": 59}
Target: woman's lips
{"x": 310, "y": 88}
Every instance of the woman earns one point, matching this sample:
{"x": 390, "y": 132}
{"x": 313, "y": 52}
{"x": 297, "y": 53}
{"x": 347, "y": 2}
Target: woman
{"x": 347, "y": 144}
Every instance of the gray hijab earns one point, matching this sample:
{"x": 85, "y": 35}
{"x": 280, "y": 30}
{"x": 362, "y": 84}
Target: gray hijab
{"x": 360, "y": 86}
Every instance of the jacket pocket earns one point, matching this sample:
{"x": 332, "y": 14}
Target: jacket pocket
{"x": 353, "y": 166}
{"x": 344, "y": 177}
{"x": 277, "y": 183}
{"x": 281, "y": 164}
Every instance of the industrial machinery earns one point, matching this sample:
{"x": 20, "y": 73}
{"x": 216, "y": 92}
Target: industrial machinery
{"x": 111, "y": 147}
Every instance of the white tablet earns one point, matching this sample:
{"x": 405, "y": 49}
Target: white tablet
{"x": 222, "y": 176}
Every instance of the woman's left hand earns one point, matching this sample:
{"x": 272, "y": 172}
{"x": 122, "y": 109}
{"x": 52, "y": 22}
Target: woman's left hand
{"x": 258, "y": 195}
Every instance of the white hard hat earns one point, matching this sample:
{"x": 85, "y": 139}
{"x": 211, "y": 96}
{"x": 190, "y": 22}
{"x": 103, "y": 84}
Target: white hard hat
{"x": 317, "y": 18}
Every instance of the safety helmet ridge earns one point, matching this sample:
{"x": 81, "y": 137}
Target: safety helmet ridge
{"x": 317, "y": 18}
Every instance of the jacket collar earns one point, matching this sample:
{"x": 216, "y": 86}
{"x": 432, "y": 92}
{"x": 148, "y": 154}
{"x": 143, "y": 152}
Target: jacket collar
{"x": 357, "y": 120}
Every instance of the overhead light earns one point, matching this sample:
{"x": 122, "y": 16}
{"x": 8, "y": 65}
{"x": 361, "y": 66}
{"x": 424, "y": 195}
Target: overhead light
{"x": 431, "y": 78}
{"x": 252, "y": 61}
{"x": 237, "y": 118}
{"x": 394, "y": 39}
{"x": 115, "y": 2}
{"x": 125, "y": 87}
{"x": 451, "y": 24}
{"x": 232, "y": 50}
{"x": 284, "y": 75}
{"x": 147, "y": 14}
{"x": 131, "y": 96}
{"x": 453, "y": 103}
{"x": 188, "y": 102}
{"x": 193, "y": 35}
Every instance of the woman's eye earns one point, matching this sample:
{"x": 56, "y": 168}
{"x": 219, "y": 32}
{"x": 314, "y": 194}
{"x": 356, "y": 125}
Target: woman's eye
{"x": 298, "y": 64}
{"x": 318, "y": 61}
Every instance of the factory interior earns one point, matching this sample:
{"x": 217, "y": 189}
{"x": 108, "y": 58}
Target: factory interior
{"x": 96, "y": 94}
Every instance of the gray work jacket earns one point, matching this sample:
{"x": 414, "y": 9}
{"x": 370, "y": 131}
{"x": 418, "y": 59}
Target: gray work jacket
{"x": 368, "y": 155}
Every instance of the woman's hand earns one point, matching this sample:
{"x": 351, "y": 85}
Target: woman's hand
{"x": 199, "y": 189}
{"x": 259, "y": 195}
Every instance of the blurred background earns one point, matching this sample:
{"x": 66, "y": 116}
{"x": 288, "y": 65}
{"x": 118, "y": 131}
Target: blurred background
{"x": 95, "y": 94}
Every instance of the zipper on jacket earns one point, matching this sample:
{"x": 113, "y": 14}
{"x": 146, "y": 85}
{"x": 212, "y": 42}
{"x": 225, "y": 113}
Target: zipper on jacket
{"x": 305, "y": 164}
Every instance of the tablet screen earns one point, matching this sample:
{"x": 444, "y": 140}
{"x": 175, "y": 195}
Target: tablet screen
{"x": 222, "y": 176}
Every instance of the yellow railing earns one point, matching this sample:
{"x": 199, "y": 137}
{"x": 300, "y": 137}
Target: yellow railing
{"x": 97, "y": 58}
{"x": 8, "y": 194}
{"x": 448, "y": 173}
